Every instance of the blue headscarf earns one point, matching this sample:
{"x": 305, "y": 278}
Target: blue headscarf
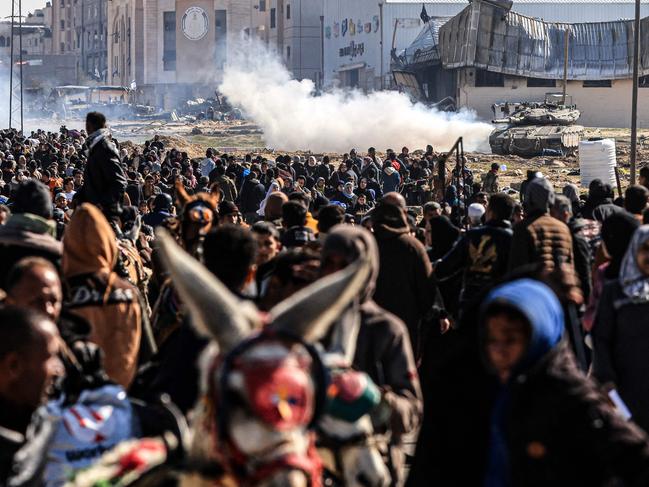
{"x": 540, "y": 306}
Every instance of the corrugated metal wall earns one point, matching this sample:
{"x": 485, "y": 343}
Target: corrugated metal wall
{"x": 337, "y": 10}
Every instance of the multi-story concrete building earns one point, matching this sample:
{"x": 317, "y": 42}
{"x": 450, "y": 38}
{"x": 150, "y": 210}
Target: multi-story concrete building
{"x": 80, "y": 27}
{"x": 293, "y": 29}
{"x": 92, "y": 35}
{"x": 171, "y": 50}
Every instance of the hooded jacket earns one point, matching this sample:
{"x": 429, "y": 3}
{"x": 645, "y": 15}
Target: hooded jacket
{"x": 110, "y": 304}
{"x": 391, "y": 179}
{"x": 405, "y": 285}
{"x": 383, "y": 347}
{"x": 550, "y": 425}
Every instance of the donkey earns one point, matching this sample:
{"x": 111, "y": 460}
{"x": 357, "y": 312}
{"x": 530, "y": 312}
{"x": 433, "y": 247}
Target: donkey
{"x": 264, "y": 383}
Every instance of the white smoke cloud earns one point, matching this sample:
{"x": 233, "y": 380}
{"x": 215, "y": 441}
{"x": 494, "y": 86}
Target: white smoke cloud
{"x": 292, "y": 118}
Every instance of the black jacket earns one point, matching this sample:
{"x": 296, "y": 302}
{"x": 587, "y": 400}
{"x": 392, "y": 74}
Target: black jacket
{"x": 251, "y": 196}
{"x": 104, "y": 179}
{"x": 562, "y": 431}
{"x": 483, "y": 253}
{"x": 621, "y": 339}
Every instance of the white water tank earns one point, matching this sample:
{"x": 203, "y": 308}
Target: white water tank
{"x": 597, "y": 161}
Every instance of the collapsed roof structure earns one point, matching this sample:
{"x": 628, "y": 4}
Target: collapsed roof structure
{"x": 488, "y": 35}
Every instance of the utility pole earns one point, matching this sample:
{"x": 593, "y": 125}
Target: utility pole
{"x": 321, "y": 52}
{"x": 381, "y": 40}
{"x": 566, "y": 42}
{"x": 16, "y": 66}
{"x": 634, "y": 93}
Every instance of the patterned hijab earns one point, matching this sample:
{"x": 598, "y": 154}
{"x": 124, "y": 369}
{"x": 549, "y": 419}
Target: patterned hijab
{"x": 635, "y": 284}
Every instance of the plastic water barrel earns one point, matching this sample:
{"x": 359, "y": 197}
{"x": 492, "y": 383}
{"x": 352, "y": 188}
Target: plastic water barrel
{"x": 597, "y": 161}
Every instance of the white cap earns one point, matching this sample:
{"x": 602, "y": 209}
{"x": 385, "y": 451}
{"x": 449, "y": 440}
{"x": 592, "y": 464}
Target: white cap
{"x": 476, "y": 210}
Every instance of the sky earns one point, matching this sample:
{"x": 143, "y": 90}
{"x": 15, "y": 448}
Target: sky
{"x": 28, "y": 6}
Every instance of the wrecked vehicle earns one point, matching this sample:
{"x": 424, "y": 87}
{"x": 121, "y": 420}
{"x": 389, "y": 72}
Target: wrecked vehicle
{"x": 536, "y": 128}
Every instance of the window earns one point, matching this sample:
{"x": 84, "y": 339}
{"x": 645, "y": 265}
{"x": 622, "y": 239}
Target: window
{"x": 597, "y": 83}
{"x": 2, "y": 41}
{"x": 62, "y": 24}
{"x": 273, "y": 20}
{"x": 221, "y": 37}
{"x": 62, "y": 46}
{"x": 262, "y": 5}
{"x": 169, "y": 41}
{"x": 288, "y": 11}
{"x": 484, "y": 79}
{"x": 288, "y": 53}
{"x": 541, "y": 83}
{"x": 643, "y": 82}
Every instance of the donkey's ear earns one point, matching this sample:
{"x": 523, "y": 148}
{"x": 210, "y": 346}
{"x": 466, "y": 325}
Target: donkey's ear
{"x": 181, "y": 195}
{"x": 213, "y": 309}
{"x": 311, "y": 311}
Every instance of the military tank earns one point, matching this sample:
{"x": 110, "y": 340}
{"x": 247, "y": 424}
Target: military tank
{"x": 536, "y": 128}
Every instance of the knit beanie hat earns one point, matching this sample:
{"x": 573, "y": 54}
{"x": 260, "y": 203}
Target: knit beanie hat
{"x": 33, "y": 197}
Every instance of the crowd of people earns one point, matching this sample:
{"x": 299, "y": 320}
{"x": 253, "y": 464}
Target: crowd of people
{"x": 507, "y": 335}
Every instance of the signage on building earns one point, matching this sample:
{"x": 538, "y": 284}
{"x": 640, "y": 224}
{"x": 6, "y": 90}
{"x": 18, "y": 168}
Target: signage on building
{"x": 351, "y": 28}
{"x": 353, "y": 50}
{"x": 195, "y": 23}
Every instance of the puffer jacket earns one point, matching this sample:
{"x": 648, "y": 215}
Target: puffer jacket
{"x": 111, "y": 305}
{"x": 542, "y": 239}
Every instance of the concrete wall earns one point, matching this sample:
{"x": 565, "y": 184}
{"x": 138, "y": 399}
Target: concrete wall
{"x": 600, "y": 107}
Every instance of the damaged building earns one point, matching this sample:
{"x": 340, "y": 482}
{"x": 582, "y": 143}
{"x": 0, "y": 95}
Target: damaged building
{"x": 169, "y": 51}
{"x": 489, "y": 54}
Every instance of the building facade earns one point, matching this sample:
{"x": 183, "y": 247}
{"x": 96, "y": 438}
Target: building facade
{"x": 293, "y": 29}
{"x": 360, "y": 35}
{"x": 92, "y": 39}
{"x": 79, "y": 28}
{"x": 172, "y": 50}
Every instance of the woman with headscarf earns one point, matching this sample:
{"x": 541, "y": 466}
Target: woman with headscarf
{"x": 617, "y": 232}
{"x": 346, "y": 195}
{"x": 320, "y": 188}
{"x": 275, "y": 186}
{"x": 621, "y": 331}
{"x": 365, "y": 190}
{"x": 536, "y": 419}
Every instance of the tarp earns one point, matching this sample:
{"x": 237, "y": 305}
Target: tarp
{"x": 424, "y": 48}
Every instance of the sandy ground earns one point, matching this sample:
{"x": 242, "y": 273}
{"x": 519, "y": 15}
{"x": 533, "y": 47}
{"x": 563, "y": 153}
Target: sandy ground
{"x": 242, "y": 137}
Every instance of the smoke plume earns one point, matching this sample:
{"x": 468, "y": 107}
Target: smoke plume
{"x": 292, "y": 118}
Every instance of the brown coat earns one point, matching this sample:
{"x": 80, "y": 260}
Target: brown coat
{"x": 405, "y": 285}
{"x": 541, "y": 239}
{"x": 110, "y": 304}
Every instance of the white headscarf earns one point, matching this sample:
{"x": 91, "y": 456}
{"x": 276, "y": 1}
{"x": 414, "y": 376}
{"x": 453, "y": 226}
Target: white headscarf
{"x": 274, "y": 187}
{"x": 635, "y": 284}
